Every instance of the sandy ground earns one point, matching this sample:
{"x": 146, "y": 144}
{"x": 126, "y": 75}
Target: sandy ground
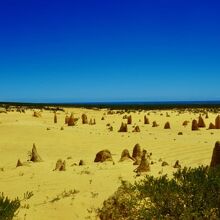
{"x": 76, "y": 192}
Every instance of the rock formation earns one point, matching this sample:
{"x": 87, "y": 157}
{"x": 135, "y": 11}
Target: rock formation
{"x": 123, "y": 128}
{"x": 55, "y": 118}
{"x": 164, "y": 163}
{"x": 185, "y": 123}
{"x": 84, "y": 119}
{"x": 82, "y": 163}
{"x": 72, "y": 120}
{"x": 177, "y": 165}
{"x": 201, "y": 123}
{"x": 146, "y": 120}
{"x": 217, "y": 122}
{"x": 211, "y": 126}
{"x": 154, "y": 124}
{"x": 167, "y": 125}
{"x": 137, "y": 153}
{"x": 144, "y": 165}
{"x": 66, "y": 119}
{"x": 35, "y": 157}
{"x": 129, "y": 119}
{"x": 194, "y": 125}
{"x": 60, "y": 165}
{"x": 136, "y": 129}
{"x": 125, "y": 155}
{"x": 216, "y": 155}
{"x": 36, "y": 114}
{"x": 19, "y": 163}
{"x": 102, "y": 156}
{"x": 92, "y": 121}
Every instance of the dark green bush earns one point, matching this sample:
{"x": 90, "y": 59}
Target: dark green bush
{"x": 192, "y": 193}
{"x": 8, "y": 207}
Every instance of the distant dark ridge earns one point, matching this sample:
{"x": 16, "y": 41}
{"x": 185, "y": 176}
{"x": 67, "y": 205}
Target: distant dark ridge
{"x": 121, "y": 105}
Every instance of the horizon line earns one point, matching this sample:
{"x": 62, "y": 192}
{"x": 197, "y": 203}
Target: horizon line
{"x": 111, "y": 102}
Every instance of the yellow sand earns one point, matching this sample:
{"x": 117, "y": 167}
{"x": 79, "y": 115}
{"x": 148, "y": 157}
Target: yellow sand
{"x": 95, "y": 182}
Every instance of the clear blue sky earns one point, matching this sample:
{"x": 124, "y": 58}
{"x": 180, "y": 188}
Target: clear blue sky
{"x": 109, "y": 50}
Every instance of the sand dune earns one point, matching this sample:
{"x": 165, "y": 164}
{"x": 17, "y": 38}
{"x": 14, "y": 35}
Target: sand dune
{"x": 77, "y": 191}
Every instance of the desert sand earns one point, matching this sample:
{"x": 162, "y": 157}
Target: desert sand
{"x": 76, "y": 192}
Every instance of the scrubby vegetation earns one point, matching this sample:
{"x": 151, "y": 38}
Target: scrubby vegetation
{"x": 192, "y": 193}
{"x": 8, "y": 208}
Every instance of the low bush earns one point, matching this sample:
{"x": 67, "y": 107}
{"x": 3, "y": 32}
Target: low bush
{"x": 192, "y": 193}
{"x": 8, "y": 208}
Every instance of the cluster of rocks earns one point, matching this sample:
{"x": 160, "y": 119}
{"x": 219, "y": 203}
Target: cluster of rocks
{"x": 34, "y": 157}
{"x": 201, "y": 124}
{"x": 92, "y": 121}
{"x": 139, "y": 157}
{"x": 136, "y": 129}
{"x": 70, "y": 120}
{"x": 216, "y": 125}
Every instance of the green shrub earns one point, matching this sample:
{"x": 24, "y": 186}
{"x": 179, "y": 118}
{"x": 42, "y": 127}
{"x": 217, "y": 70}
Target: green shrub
{"x": 8, "y": 207}
{"x": 192, "y": 193}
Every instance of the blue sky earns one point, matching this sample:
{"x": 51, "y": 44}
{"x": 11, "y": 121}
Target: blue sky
{"x": 149, "y": 50}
